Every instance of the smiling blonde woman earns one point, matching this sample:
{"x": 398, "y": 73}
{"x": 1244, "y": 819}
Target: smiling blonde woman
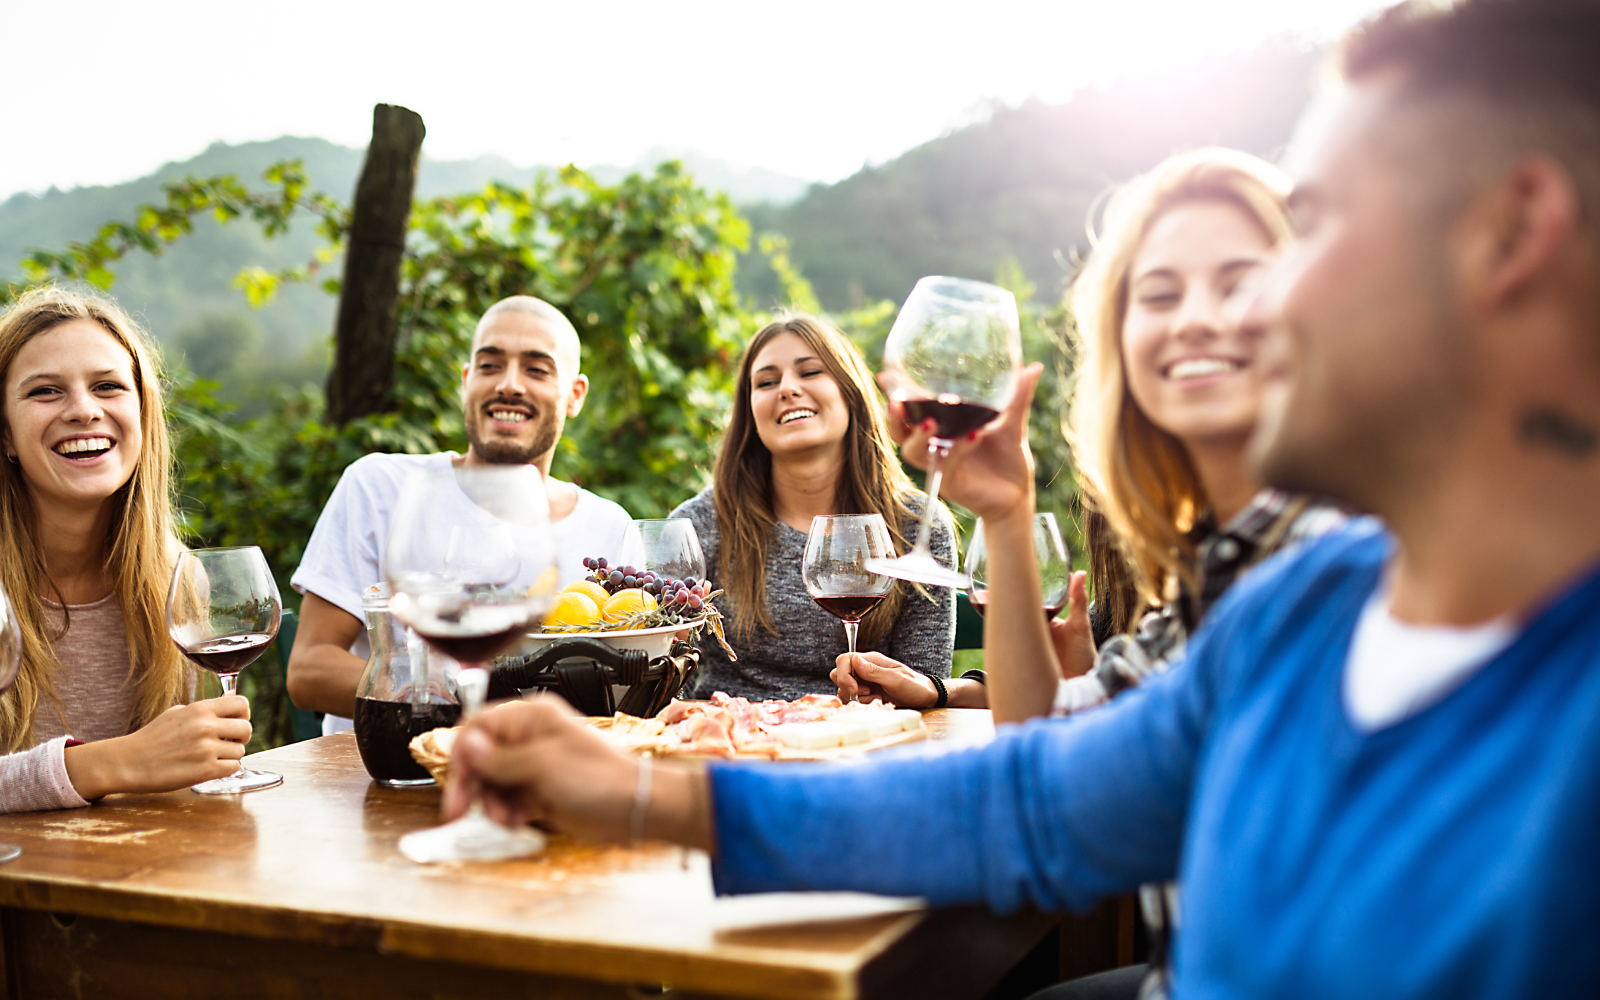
{"x": 87, "y": 545}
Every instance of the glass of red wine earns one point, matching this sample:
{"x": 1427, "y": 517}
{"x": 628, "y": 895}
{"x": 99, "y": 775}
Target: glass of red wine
{"x": 835, "y": 571}
{"x": 223, "y": 610}
{"x": 10, "y": 663}
{"x": 1055, "y": 566}
{"x": 952, "y": 356}
{"x": 471, "y": 567}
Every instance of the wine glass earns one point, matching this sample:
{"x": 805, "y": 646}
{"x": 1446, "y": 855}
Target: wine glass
{"x": 10, "y": 663}
{"x": 223, "y": 611}
{"x": 1055, "y": 566}
{"x": 953, "y": 356}
{"x": 834, "y": 568}
{"x": 471, "y": 565}
{"x": 671, "y": 548}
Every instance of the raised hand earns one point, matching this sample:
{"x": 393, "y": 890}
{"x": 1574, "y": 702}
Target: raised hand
{"x": 991, "y": 471}
{"x": 1073, "y": 636}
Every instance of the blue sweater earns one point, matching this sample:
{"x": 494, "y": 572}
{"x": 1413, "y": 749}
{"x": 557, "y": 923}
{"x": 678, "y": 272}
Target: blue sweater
{"x": 1455, "y": 854}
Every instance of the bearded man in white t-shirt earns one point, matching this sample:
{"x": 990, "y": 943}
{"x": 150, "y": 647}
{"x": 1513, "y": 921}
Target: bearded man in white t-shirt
{"x": 520, "y": 384}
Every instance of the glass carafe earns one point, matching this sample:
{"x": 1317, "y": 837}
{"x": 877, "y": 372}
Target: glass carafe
{"x": 403, "y": 692}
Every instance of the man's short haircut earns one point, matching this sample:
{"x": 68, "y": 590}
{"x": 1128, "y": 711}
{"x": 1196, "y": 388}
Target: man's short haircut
{"x": 567, "y": 334}
{"x": 1533, "y": 65}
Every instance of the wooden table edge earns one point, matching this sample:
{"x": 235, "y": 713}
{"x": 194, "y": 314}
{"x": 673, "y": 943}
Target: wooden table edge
{"x": 756, "y": 971}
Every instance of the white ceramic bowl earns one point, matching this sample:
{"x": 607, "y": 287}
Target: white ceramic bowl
{"x": 654, "y": 641}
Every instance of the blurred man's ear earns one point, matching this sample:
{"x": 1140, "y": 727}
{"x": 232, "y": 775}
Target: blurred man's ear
{"x": 1516, "y": 231}
{"x": 580, "y": 392}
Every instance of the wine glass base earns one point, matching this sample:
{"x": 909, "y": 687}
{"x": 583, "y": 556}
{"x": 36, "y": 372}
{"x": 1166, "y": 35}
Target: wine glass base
{"x": 242, "y": 780}
{"x": 917, "y": 568}
{"x": 9, "y": 852}
{"x": 473, "y": 837}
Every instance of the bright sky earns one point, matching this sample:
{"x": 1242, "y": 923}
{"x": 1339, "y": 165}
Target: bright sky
{"x": 101, "y": 92}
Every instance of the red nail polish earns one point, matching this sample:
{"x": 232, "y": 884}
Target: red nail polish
{"x": 973, "y": 436}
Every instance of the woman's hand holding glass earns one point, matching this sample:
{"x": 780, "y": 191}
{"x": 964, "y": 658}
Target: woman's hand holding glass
{"x": 873, "y": 676}
{"x": 183, "y": 746}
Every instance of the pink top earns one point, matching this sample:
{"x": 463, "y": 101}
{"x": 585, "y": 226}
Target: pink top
{"x": 97, "y": 692}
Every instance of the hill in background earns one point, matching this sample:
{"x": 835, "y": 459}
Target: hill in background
{"x": 1020, "y": 185}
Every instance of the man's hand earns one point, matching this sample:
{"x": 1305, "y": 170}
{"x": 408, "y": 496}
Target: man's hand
{"x": 990, "y": 472}
{"x": 182, "y": 746}
{"x": 1073, "y": 636}
{"x": 538, "y": 760}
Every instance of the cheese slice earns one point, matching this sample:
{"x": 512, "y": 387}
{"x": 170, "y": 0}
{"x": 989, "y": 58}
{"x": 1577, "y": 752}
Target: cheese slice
{"x": 881, "y": 724}
{"x": 853, "y": 731}
{"x": 910, "y": 719}
{"x": 811, "y": 735}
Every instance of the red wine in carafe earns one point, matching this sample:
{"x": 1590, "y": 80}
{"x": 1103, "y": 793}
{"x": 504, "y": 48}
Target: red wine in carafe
{"x": 384, "y": 730}
{"x": 229, "y": 654}
{"x": 849, "y": 607}
{"x": 955, "y": 420}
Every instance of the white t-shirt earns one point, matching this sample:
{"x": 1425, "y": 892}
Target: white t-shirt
{"x": 1397, "y": 669}
{"x": 345, "y": 555}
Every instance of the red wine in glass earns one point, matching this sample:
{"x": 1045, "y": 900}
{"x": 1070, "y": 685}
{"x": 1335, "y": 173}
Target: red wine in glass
{"x": 229, "y": 654}
{"x": 849, "y": 607}
{"x": 980, "y": 603}
{"x": 955, "y": 419}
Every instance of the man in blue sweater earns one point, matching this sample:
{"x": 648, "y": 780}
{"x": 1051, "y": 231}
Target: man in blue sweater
{"x": 1378, "y": 774}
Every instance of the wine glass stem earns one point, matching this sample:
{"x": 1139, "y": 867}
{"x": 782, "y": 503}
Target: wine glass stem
{"x": 938, "y": 449}
{"x": 473, "y": 683}
{"x": 230, "y": 687}
{"x": 850, "y": 634}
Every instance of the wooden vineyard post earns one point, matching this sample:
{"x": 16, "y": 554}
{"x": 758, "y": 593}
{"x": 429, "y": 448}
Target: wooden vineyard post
{"x": 364, "y": 335}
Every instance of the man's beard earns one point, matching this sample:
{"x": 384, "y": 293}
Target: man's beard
{"x": 511, "y": 451}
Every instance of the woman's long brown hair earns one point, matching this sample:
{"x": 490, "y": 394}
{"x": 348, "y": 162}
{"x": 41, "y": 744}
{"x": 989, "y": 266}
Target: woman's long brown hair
{"x": 141, "y": 544}
{"x": 871, "y": 480}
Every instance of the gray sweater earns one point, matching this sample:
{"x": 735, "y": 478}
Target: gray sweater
{"x": 798, "y": 659}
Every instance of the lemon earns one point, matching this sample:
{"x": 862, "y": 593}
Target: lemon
{"x": 625, "y": 604}
{"x": 598, "y": 594}
{"x": 573, "y": 609}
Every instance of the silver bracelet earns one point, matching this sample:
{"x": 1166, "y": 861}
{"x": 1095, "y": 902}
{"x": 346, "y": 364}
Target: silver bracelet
{"x": 641, "y": 800}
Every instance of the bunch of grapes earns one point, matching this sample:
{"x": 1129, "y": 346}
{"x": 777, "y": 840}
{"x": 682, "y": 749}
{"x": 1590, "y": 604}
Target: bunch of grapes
{"x": 684, "y": 596}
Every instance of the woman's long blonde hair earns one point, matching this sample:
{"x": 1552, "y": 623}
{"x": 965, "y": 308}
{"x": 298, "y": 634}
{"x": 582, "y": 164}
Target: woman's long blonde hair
{"x": 1134, "y": 473}
{"x": 140, "y": 546}
{"x": 871, "y": 481}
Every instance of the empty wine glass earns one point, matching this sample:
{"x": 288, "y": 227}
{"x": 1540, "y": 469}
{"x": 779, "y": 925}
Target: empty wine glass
{"x": 952, "y": 356}
{"x": 471, "y": 565}
{"x": 10, "y": 663}
{"x": 834, "y": 568}
{"x": 672, "y": 548}
{"x": 1050, "y": 551}
{"x": 223, "y": 611}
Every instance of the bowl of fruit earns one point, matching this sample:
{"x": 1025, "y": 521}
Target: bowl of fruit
{"x": 627, "y": 608}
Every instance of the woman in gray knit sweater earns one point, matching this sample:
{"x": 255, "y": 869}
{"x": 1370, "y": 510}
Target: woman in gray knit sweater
{"x": 805, "y": 438}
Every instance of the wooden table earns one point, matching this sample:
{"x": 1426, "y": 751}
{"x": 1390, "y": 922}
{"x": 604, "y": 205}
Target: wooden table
{"x": 298, "y": 891}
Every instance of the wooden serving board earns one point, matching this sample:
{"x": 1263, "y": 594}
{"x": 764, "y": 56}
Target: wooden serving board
{"x": 783, "y": 753}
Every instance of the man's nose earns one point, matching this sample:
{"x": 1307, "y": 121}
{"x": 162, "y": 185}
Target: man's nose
{"x": 511, "y": 382}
